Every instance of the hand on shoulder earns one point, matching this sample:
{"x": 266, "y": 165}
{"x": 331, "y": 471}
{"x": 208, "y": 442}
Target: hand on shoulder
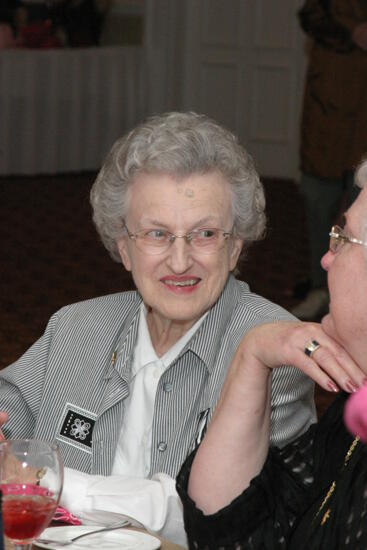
{"x": 272, "y": 345}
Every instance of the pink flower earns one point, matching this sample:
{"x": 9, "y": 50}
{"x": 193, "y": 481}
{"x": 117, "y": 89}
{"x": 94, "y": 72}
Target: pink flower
{"x": 355, "y": 413}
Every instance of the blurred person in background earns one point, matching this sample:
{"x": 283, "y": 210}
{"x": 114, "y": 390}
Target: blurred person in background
{"x": 333, "y": 129}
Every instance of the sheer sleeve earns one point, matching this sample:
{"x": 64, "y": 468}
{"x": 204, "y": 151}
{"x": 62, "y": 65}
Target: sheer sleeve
{"x": 263, "y": 515}
{"x": 279, "y": 507}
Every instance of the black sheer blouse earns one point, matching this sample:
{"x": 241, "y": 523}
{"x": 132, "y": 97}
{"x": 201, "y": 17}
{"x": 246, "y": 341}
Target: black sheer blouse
{"x": 280, "y": 509}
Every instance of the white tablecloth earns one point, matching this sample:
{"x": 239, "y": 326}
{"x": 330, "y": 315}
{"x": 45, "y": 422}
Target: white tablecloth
{"x": 61, "y": 110}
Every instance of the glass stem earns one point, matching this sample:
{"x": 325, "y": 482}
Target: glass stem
{"x": 27, "y": 546}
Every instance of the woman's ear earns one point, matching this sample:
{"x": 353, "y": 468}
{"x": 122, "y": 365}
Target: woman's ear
{"x": 235, "y": 252}
{"x": 123, "y": 248}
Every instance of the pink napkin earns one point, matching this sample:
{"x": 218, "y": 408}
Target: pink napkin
{"x": 62, "y": 514}
{"x": 355, "y": 413}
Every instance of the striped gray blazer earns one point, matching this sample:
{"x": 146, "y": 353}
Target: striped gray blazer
{"x": 72, "y": 383}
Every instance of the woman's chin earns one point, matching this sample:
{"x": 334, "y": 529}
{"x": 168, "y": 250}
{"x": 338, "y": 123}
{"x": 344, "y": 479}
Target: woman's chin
{"x": 327, "y": 324}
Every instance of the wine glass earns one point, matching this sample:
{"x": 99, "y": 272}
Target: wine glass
{"x": 31, "y": 477}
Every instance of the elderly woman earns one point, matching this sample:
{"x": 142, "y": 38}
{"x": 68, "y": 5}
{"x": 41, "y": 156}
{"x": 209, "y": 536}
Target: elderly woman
{"x": 127, "y": 383}
{"x": 313, "y": 492}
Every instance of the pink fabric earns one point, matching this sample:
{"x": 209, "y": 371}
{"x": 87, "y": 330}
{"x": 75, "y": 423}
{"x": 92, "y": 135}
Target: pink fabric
{"x": 62, "y": 514}
{"x": 355, "y": 413}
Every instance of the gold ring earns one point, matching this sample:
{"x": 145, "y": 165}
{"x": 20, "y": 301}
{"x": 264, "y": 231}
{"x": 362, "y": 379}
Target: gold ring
{"x": 311, "y": 347}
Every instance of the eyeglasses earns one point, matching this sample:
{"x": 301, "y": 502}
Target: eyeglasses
{"x": 338, "y": 239}
{"x": 207, "y": 240}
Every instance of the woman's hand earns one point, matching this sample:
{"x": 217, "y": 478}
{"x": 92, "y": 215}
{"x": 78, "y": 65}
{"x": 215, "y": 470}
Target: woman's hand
{"x": 4, "y": 417}
{"x": 239, "y": 430}
{"x": 272, "y": 345}
{"x": 16, "y": 470}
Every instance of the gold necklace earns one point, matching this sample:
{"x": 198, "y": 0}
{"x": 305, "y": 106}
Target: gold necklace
{"x": 331, "y": 490}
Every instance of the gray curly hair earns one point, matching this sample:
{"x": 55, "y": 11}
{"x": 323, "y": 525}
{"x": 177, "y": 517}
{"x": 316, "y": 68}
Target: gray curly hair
{"x": 180, "y": 144}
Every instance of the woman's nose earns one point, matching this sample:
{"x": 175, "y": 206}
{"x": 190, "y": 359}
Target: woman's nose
{"x": 327, "y": 260}
{"x": 179, "y": 255}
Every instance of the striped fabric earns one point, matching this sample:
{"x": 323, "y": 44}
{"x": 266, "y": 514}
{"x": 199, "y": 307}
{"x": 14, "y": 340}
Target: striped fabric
{"x": 79, "y": 371}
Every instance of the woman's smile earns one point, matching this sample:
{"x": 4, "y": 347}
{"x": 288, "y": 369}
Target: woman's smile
{"x": 181, "y": 285}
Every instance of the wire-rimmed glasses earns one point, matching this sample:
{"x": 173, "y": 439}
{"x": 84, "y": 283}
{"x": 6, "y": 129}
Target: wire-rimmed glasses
{"x": 206, "y": 240}
{"x": 338, "y": 238}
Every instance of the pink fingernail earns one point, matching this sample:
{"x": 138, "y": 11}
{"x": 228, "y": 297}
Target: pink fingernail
{"x": 351, "y": 387}
{"x": 332, "y": 387}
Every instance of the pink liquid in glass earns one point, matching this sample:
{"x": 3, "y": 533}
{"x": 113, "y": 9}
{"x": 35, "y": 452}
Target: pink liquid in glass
{"x": 25, "y": 516}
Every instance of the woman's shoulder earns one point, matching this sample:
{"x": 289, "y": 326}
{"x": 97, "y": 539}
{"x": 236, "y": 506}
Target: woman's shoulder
{"x": 251, "y": 304}
{"x": 108, "y": 300}
{"x": 102, "y": 308}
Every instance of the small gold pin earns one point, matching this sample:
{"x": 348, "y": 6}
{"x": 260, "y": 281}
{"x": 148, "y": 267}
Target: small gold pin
{"x": 325, "y": 516}
{"x": 113, "y": 359}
